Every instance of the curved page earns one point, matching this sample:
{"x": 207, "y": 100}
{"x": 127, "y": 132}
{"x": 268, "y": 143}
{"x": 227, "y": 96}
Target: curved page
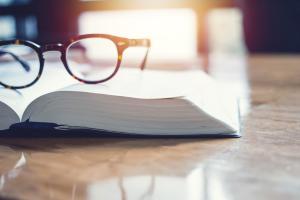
{"x": 7, "y": 116}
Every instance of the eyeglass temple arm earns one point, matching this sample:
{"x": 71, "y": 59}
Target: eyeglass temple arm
{"x": 22, "y": 62}
{"x": 141, "y": 43}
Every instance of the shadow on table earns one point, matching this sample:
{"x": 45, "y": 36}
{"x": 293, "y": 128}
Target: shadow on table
{"x": 89, "y": 133}
{"x": 55, "y": 139}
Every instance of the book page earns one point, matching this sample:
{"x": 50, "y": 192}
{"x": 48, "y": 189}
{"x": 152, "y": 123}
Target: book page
{"x": 135, "y": 100}
{"x": 215, "y": 99}
{"x": 148, "y": 84}
{"x": 7, "y": 116}
{"x": 54, "y": 77}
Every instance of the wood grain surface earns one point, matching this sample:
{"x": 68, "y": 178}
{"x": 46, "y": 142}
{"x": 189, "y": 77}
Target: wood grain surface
{"x": 263, "y": 164}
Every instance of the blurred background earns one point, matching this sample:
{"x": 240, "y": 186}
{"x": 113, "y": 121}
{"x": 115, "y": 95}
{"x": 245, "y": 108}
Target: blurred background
{"x": 180, "y": 30}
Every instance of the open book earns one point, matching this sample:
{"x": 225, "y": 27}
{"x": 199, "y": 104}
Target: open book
{"x": 133, "y": 102}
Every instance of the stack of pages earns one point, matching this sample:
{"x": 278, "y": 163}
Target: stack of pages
{"x": 133, "y": 102}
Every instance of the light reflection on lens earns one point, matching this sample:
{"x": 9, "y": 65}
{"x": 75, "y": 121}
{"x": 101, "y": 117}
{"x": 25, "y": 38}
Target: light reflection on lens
{"x": 19, "y": 65}
{"x": 92, "y": 59}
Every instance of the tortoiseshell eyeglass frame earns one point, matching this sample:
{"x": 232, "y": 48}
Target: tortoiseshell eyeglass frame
{"x": 121, "y": 44}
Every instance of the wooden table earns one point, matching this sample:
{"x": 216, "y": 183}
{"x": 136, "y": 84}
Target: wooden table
{"x": 263, "y": 164}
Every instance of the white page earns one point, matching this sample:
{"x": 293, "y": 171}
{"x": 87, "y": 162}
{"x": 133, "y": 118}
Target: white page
{"x": 53, "y": 78}
{"x": 193, "y": 85}
{"x": 148, "y": 84}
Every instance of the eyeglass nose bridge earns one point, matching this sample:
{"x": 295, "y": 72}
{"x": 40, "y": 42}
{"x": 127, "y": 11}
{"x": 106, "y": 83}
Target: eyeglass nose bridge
{"x": 52, "y": 47}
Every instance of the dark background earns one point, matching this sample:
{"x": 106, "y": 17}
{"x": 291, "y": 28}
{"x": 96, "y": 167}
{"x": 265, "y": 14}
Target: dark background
{"x": 269, "y": 25}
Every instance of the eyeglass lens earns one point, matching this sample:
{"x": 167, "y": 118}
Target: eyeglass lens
{"x": 19, "y": 65}
{"x": 92, "y": 59}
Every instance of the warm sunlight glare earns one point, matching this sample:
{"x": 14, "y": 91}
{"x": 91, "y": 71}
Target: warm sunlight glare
{"x": 172, "y": 31}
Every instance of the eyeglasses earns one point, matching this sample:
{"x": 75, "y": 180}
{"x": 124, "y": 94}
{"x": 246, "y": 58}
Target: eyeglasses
{"x": 91, "y": 58}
